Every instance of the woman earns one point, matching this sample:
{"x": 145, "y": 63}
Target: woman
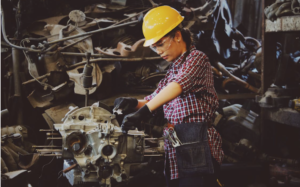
{"x": 189, "y": 100}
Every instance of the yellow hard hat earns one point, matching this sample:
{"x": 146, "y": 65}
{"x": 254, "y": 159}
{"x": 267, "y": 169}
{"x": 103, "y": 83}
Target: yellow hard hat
{"x": 158, "y": 22}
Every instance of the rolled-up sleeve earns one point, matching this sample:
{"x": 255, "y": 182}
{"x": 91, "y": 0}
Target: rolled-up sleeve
{"x": 191, "y": 77}
{"x": 150, "y": 97}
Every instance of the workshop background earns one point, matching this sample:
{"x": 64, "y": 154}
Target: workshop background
{"x": 64, "y": 62}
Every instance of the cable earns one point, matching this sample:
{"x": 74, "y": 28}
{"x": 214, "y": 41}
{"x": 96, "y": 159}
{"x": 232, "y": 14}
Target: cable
{"x": 60, "y": 174}
{"x": 8, "y": 42}
{"x": 44, "y": 166}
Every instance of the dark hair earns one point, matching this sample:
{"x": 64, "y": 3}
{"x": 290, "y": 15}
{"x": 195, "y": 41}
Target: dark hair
{"x": 187, "y": 35}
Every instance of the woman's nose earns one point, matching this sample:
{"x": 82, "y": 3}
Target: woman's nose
{"x": 159, "y": 51}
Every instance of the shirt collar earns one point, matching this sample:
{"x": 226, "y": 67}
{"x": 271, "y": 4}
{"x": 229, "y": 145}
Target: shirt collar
{"x": 178, "y": 60}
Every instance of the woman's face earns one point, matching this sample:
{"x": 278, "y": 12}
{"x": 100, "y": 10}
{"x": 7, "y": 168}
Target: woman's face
{"x": 170, "y": 48}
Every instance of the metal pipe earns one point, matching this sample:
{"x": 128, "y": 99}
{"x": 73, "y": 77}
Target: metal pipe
{"x": 86, "y": 97}
{"x": 93, "y": 32}
{"x": 112, "y": 59}
{"x": 130, "y": 17}
{"x": 239, "y": 82}
{"x": 74, "y": 54}
{"x": 46, "y": 130}
{"x": 54, "y": 138}
{"x": 48, "y": 150}
{"x": 50, "y": 155}
{"x": 69, "y": 168}
{"x": 235, "y": 79}
{"x": 38, "y": 78}
{"x": 105, "y": 59}
{"x": 62, "y": 48}
{"x": 17, "y": 85}
{"x": 8, "y": 42}
{"x": 16, "y": 71}
{"x": 37, "y": 146}
{"x": 4, "y": 114}
{"x": 52, "y": 134}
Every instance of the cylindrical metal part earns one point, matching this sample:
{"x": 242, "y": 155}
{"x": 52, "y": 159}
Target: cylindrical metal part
{"x": 87, "y": 76}
{"x": 87, "y": 81}
{"x": 46, "y": 130}
{"x": 86, "y": 97}
{"x": 69, "y": 168}
{"x": 88, "y": 69}
{"x": 41, "y": 146}
{"x": 49, "y": 150}
{"x": 38, "y": 78}
{"x": 16, "y": 71}
{"x": 54, "y": 138}
{"x": 50, "y": 154}
{"x": 52, "y": 134}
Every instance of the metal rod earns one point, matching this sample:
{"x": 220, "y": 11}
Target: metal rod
{"x": 112, "y": 59}
{"x": 74, "y": 54}
{"x": 54, "y": 138}
{"x": 38, "y": 78}
{"x": 37, "y": 146}
{"x": 155, "y": 155}
{"x": 50, "y": 154}
{"x": 86, "y": 97}
{"x": 130, "y": 17}
{"x": 62, "y": 48}
{"x": 48, "y": 150}
{"x": 150, "y": 138}
{"x": 69, "y": 168}
{"x": 16, "y": 71}
{"x": 52, "y": 134}
{"x": 93, "y": 32}
{"x": 17, "y": 84}
{"x": 46, "y": 130}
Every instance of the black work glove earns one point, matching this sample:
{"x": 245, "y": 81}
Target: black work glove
{"x": 133, "y": 120}
{"x": 127, "y": 104}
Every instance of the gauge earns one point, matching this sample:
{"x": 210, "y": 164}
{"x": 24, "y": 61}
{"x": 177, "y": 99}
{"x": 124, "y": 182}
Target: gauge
{"x": 77, "y": 16}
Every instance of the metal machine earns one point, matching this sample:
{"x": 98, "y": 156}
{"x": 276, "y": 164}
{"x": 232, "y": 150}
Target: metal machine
{"x": 94, "y": 148}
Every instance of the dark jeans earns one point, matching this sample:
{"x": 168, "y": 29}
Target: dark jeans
{"x": 206, "y": 180}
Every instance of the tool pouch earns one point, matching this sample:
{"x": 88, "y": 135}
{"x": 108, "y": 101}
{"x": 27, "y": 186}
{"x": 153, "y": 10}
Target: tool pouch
{"x": 193, "y": 156}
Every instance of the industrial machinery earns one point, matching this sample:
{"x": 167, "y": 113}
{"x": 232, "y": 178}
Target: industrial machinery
{"x": 94, "y": 148}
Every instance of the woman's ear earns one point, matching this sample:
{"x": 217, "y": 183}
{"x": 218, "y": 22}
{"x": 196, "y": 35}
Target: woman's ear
{"x": 178, "y": 37}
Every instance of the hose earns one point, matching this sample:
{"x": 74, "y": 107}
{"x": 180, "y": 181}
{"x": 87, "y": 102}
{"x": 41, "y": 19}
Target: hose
{"x": 8, "y": 42}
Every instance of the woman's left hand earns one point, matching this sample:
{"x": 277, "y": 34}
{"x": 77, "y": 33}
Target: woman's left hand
{"x": 133, "y": 120}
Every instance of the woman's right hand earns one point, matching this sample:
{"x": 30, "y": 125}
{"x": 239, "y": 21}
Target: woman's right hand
{"x": 126, "y": 104}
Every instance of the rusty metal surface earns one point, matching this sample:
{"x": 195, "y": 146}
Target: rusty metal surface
{"x": 283, "y": 24}
{"x": 286, "y": 116}
{"x": 57, "y": 113}
{"x": 123, "y": 50}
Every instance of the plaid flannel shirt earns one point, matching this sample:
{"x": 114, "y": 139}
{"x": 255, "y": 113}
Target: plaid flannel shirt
{"x": 194, "y": 75}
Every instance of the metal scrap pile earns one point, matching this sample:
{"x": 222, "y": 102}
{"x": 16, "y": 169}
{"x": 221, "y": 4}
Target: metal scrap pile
{"x": 282, "y": 8}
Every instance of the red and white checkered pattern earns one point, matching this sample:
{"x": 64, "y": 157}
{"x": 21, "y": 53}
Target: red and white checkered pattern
{"x": 195, "y": 76}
